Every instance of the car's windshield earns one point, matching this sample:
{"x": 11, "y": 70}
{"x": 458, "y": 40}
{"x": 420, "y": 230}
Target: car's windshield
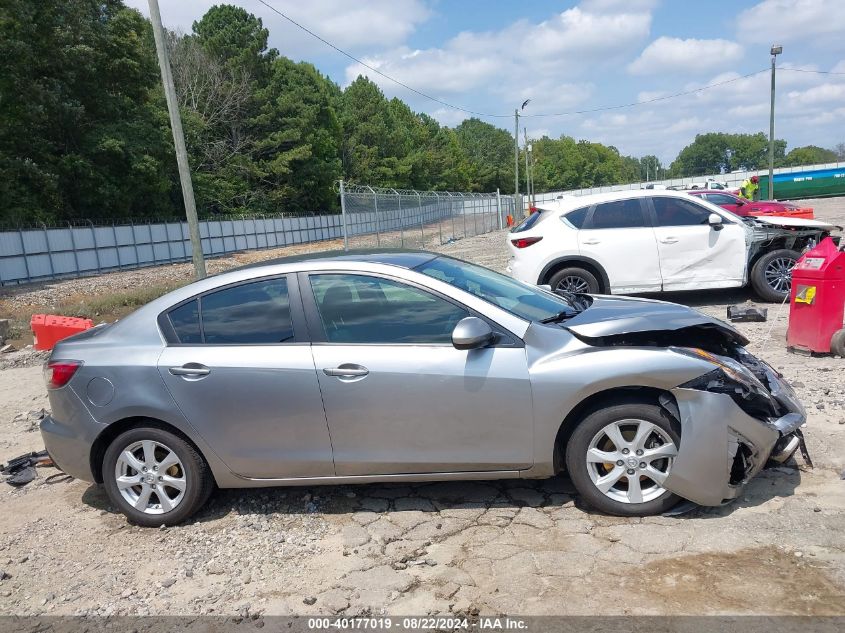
{"x": 525, "y": 301}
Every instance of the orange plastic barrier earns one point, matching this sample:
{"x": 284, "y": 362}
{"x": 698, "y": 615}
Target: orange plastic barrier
{"x": 804, "y": 214}
{"x": 510, "y": 220}
{"x": 50, "y": 328}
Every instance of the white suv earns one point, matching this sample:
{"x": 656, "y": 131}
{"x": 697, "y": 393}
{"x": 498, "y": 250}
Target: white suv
{"x": 650, "y": 241}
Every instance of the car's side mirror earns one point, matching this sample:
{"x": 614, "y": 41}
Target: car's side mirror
{"x": 472, "y": 333}
{"x": 545, "y": 287}
{"x": 715, "y": 221}
{"x": 741, "y": 202}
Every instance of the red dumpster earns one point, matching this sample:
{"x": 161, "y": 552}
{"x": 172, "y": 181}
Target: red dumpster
{"x": 817, "y": 299}
{"x": 50, "y": 328}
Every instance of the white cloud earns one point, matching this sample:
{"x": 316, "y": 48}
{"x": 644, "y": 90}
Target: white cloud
{"x": 671, "y": 54}
{"x": 825, "y": 93}
{"x": 783, "y": 21}
{"x": 524, "y": 59}
{"x": 349, "y": 25}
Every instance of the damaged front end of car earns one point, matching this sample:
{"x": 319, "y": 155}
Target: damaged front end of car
{"x": 734, "y": 419}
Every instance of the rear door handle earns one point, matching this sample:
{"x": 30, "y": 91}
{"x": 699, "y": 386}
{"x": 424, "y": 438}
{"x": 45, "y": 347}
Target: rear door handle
{"x": 591, "y": 241}
{"x": 190, "y": 369}
{"x": 346, "y": 371}
{"x": 669, "y": 240}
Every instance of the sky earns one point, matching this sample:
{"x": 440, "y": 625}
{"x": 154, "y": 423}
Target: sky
{"x": 489, "y": 56}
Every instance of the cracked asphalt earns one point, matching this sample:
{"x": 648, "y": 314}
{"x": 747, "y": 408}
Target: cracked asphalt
{"x": 504, "y": 547}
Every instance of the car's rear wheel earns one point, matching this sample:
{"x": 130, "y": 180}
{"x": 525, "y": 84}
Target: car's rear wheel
{"x": 619, "y": 457}
{"x": 574, "y": 280}
{"x": 155, "y": 477}
{"x": 771, "y": 275}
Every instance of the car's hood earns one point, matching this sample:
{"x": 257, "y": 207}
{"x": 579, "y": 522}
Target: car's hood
{"x": 798, "y": 222}
{"x": 612, "y": 316}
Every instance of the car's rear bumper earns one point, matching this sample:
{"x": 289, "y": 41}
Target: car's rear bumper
{"x": 70, "y": 452}
{"x": 722, "y": 447}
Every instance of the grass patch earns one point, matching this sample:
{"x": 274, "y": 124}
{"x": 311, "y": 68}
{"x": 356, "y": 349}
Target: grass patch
{"x": 112, "y": 306}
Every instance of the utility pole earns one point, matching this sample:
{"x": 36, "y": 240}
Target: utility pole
{"x": 178, "y": 141}
{"x": 516, "y": 152}
{"x": 527, "y": 176}
{"x": 776, "y": 50}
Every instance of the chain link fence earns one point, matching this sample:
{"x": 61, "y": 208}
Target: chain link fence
{"x": 370, "y": 218}
{"x": 403, "y": 218}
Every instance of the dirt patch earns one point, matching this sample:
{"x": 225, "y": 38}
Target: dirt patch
{"x": 762, "y": 580}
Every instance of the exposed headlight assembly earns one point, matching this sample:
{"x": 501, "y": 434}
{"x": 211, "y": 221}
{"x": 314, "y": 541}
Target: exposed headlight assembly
{"x": 733, "y": 379}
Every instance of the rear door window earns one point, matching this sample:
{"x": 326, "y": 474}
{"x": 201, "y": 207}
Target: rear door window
{"x": 186, "y": 323}
{"x": 247, "y": 314}
{"x": 619, "y": 214}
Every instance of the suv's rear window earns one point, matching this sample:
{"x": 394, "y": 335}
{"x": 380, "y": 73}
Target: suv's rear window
{"x": 527, "y": 223}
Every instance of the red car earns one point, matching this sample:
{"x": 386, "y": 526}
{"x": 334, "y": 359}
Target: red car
{"x": 743, "y": 207}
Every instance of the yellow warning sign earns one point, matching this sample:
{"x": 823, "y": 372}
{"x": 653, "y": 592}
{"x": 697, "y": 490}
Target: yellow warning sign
{"x": 805, "y": 294}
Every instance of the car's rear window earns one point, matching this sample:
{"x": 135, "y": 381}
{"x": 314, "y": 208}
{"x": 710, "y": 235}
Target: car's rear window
{"x": 527, "y": 223}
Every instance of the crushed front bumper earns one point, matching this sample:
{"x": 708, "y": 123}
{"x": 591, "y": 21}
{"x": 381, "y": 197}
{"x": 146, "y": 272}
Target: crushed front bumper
{"x": 722, "y": 447}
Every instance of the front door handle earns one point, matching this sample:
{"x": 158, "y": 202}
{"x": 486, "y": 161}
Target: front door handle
{"x": 591, "y": 241}
{"x": 190, "y": 369}
{"x": 669, "y": 240}
{"x": 346, "y": 371}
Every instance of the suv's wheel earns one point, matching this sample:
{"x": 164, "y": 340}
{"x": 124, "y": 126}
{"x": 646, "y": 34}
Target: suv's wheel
{"x": 574, "y": 280}
{"x": 619, "y": 457}
{"x": 771, "y": 275}
{"x": 155, "y": 477}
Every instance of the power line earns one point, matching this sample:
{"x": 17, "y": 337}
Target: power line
{"x": 815, "y": 72}
{"x": 535, "y": 116}
{"x": 377, "y": 71}
{"x": 653, "y": 100}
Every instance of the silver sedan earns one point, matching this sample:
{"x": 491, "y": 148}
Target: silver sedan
{"x": 410, "y": 366}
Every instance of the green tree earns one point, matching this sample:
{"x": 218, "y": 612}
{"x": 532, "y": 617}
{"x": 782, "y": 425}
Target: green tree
{"x": 80, "y": 136}
{"x": 717, "y": 152}
{"x": 299, "y": 137}
{"x": 808, "y": 155}
{"x": 490, "y": 153}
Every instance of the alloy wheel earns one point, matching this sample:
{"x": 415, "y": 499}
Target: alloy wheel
{"x": 573, "y": 284}
{"x": 628, "y": 460}
{"x": 778, "y": 274}
{"x": 150, "y": 477}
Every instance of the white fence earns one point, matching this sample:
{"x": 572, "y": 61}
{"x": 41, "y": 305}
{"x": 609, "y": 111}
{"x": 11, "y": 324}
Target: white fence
{"x": 733, "y": 180}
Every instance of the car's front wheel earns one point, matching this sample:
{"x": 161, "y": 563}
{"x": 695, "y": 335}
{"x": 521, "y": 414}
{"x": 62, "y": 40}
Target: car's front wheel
{"x": 771, "y": 275}
{"x": 155, "y": 477}
{"x": 619, "y": 457}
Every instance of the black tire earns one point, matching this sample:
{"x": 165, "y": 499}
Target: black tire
{"x": 198, "y": 480}
{"x": 837, "y": 343}
{"x": 579, "y": 444}
{"x": 575, "y": 279}
{"x": 771, "y": 263}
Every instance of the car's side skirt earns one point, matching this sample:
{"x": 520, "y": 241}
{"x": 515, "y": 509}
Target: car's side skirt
{"x": 234, "y": 481}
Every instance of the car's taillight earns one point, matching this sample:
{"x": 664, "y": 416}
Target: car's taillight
{"x": 522, "y": 242}
{"x": 57, "y": 373}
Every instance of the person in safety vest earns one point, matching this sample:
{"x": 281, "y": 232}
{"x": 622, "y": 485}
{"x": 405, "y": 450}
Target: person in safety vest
{"x": 749, "y": 188}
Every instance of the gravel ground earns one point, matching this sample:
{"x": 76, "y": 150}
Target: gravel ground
{"x": 519, "y": 547}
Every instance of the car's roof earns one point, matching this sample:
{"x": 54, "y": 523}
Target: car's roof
{"x": 576, "y": 202}
{"x": 404, "y": 258}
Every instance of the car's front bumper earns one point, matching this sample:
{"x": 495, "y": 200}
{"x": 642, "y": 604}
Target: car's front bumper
{"x": 722, "y": 447}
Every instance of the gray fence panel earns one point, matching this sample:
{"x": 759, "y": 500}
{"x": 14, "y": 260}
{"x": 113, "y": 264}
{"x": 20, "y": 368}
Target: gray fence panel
{"x": 384, "y": 217}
